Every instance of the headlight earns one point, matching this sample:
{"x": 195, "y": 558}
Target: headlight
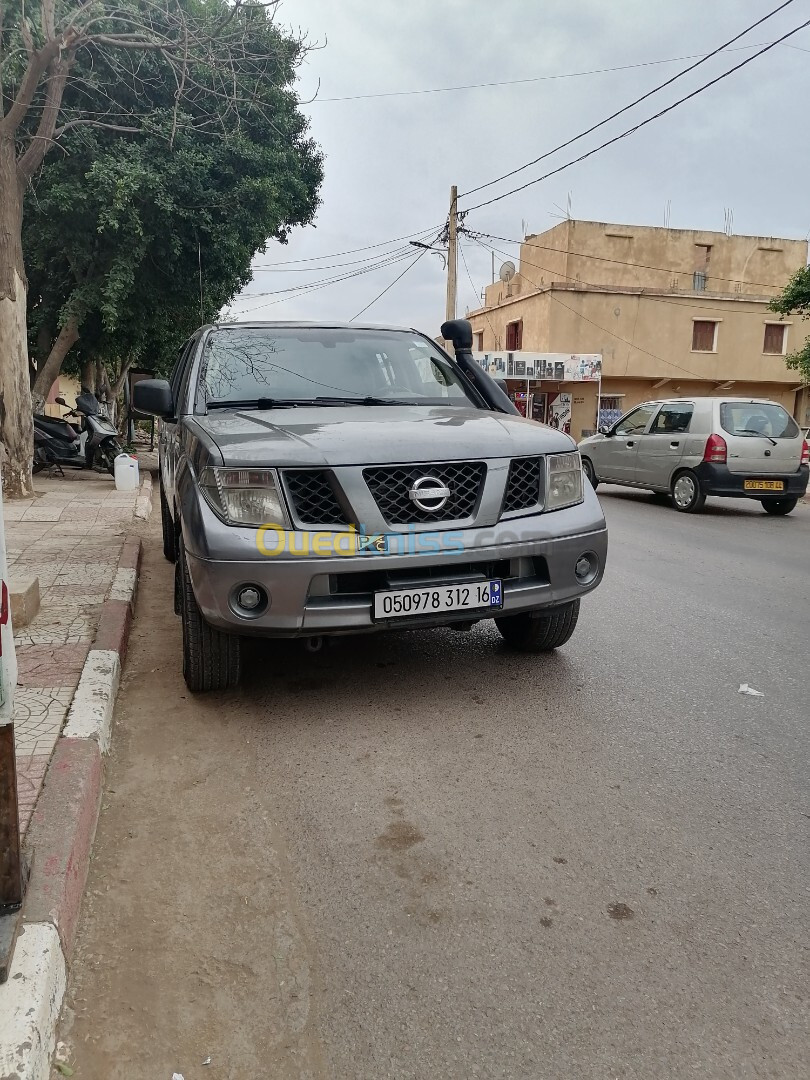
{"x": 244, "y": 496}
{"x": 564, "y": 487}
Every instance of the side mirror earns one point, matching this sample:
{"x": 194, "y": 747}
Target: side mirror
{"x": 605, "y": 430}
{"x": 61, "y": 401}
{"x": 153, "y": 396}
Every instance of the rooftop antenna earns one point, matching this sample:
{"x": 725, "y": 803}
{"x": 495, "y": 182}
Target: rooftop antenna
{"x": 728, "y": 220}
{"x": 508, "y": 271}
{"x": 667, "y": 212}
{"x": 524, "y": 228}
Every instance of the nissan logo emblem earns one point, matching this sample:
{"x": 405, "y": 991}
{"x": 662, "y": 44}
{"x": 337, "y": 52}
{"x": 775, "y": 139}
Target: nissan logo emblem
{"x": 429, "y": 494}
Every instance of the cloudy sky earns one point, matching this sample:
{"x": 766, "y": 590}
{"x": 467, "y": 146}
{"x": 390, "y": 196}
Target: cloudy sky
{"x": 390, "y": 160}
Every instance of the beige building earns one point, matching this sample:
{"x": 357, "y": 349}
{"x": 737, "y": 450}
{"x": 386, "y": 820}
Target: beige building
{"x": 671, "y": 311}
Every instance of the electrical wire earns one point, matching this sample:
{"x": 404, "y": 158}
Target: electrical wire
{"x": 619, "y": 262}
{"x": 521, "y": 82}
{"x": 613, "y": 334}
{"x": 632, "y": 104}
{"x": 314, "y": 286}
{"x": 392, "y": 284}
{"x": 628, "y": 290}
{"x": 641, "y": 124}
{"x": 353, "y": 251}
{"x": 475, "y": 292}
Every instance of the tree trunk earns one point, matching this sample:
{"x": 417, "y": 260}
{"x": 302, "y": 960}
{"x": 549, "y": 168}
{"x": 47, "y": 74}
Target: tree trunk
{"x": 49, "y": 371}
{"x": 16, "y": 426}
{"x": 88, "y": 376}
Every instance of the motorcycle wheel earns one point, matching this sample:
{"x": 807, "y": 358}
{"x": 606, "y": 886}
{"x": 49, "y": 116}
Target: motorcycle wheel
{"x": 109, "y": 452}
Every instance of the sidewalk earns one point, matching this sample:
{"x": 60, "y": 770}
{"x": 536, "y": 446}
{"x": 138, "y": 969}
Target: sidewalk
{"x": 70, "y": 536}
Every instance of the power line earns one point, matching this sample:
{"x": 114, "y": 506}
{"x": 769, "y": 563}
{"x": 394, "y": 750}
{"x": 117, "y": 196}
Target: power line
{"x": 612, "y": 333}
{"x": 641, "y": 124}
{"x": 299, "y": 290}
{"x": 388, "y": 287}
{"x": 275, "y": 268}
{"x": 475, "y": 292}
{"x": 353, "y": 251}
{"x": 632, "y": 104}
{"x": 605, "y": 258}
{"x": 639, "y": 294}
{"x": 520, "y": 82}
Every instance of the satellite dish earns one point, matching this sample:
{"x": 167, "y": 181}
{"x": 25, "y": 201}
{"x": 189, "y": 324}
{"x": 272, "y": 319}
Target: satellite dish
{"x": 507, "y": 271}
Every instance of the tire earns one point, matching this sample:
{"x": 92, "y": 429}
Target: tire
{"x": 779, "y": 507}
{"x": 211, "y": 659}
{"x": 687, "y": 495}
{"x": 587, "y": 468}
{"x": 167, "y": 525}
{"x": 539, "y": 633}
{"x": 109, "y": 452}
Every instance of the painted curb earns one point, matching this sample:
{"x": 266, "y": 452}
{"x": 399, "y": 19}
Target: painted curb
{"x": 91, "y": 712}
{"x": 61, "y": 835}
{"x": 143, "y": 504}
{"x": 30, "y": 1003}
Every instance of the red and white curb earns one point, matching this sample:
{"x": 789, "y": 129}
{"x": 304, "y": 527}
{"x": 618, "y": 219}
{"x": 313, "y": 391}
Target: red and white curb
{"x": 60, "y": 837}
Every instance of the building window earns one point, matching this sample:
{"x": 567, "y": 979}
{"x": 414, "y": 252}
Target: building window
{"x": 775, "y": 334}
{"x": 699, "y": 281}
{"x": 479, "y": 340}
{"x": 514, "y": 336}
{"x": 704, "y": 335}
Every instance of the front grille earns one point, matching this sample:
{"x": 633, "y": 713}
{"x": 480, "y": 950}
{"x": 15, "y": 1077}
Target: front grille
{"x": 524, "y": 486}
{"x": 390, "y": 486}
{"x": 313, "y": 497}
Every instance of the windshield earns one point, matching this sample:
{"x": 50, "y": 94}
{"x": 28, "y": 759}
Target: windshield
{"x": 277, "y": 364}
{"x": 750, "y": 419}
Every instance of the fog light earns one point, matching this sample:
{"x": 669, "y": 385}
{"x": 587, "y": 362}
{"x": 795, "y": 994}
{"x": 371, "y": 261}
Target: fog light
{"x": 250, "y": 598}
{"x": 586, "y": 568}
{"x": 249, "y": 601}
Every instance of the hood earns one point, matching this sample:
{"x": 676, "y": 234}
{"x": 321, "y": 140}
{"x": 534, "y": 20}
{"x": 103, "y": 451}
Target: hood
{"x": 374, "y": 435}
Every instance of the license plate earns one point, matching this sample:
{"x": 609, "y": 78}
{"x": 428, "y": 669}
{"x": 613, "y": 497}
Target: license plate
{"x": 764, "y": 485}
{"x": 437, "y": 599}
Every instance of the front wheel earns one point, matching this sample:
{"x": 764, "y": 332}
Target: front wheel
{"x": 588, "y": 469}
{"x": 539, "y": 633}
{"x": 687, "y": 495}
{"x": 778, "y": 507}
{"x": 211, "y": 659}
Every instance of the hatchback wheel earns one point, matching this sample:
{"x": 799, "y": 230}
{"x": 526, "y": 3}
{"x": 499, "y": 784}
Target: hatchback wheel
{"x": 588, "y": 469}
{"x": 539, "y": 633}
{"x": 778, "y": 507}
{"x": 686, "y": 493}
{"x": 211, "y": 659}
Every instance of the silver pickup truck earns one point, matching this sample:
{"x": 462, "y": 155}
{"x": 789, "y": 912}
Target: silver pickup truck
{"x": 330, "y": 479}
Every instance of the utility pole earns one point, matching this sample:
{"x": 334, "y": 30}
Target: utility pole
{"x": 452, "y": 255}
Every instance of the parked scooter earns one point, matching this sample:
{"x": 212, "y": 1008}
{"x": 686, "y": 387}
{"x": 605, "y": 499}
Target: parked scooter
{"x": 58, "y": 443}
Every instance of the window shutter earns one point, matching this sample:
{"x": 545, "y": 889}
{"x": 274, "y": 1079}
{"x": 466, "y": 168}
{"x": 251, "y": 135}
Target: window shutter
{"x": 703, "y": 335}
{"x": 774, "y": 339}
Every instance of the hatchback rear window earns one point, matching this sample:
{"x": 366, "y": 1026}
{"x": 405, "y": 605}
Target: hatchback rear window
{"x": 753, "y": 418}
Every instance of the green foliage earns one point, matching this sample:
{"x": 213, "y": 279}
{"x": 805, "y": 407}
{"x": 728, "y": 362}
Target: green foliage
{"x": 795, "y": 300}
{"x": 121, "y": 225}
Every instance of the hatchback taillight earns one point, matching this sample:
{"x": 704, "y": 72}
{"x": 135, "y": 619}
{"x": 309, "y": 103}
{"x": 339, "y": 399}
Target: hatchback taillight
{"x": 805, "y": 453}
{"x": 715, "y": 451}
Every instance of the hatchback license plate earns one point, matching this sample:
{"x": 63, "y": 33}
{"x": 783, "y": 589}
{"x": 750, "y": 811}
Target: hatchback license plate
{"x": 764, "y": 485}
{"x": 472, "y": 596}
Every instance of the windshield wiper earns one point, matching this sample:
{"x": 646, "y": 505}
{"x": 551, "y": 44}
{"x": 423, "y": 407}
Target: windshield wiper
{"x": 254, "y": 403}
{"x": 751, "y": 431}
{"x": 361, "y": 401}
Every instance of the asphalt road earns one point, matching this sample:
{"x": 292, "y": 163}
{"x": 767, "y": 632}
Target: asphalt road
{"x": 421, "y": 856}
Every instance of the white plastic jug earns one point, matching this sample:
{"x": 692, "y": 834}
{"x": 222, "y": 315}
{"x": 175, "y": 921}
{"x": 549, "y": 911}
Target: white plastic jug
{"x": 126, "y": 472}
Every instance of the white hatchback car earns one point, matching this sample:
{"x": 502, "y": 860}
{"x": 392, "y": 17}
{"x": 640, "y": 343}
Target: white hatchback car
{"x": 693, "y": 447}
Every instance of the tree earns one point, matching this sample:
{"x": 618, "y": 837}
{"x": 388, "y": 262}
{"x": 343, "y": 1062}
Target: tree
{"x": 795, "y": 300}
{"x": 76, "y": 76}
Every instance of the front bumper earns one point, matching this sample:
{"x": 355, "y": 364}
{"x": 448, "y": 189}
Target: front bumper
{"x": 719, "y": 480}
{"x": 311, "y": 594}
